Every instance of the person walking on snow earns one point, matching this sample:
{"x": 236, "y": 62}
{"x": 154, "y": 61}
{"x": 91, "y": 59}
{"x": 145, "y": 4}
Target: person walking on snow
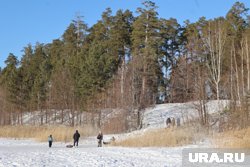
{"x": 76, "y": 137}
{"x": 50, "y": 140}
{"x": 100, "y": 137}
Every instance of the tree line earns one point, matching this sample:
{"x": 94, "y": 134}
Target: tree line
{"x": 130, "y": 62}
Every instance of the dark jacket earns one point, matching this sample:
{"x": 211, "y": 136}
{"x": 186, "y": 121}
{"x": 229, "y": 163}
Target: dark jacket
{"x": 76, "y": 136}
{"x": 168, "y": 121}
{"x": 100, "y": 136}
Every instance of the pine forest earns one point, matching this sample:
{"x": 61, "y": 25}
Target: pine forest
{"x": 126, "y": 62}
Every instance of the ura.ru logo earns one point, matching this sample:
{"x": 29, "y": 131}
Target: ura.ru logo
{"x": 216, "y": 158}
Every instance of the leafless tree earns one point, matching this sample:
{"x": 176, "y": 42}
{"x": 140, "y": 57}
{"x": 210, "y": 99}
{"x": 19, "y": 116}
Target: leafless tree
{"x": 214, "y": 38}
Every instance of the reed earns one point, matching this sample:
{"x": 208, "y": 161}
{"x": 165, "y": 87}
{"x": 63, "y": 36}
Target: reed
{"x": 232, "y": 139}
{"x": 162, "y": 138}
{"x": 41, "y": 133}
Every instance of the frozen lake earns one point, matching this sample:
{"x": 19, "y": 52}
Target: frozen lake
{"x": 28, "y": 153}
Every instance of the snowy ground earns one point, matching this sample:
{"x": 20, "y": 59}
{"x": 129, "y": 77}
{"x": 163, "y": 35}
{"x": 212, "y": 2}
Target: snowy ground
{"x": 28, "y": 153}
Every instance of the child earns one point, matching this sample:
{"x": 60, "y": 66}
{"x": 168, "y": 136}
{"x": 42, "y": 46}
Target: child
{"x": 50, "y": 140}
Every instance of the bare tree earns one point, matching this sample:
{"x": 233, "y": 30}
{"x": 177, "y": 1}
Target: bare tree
{"x": 214, "y": 39}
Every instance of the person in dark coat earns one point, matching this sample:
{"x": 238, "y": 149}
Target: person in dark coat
{"x": 100, "y": 138}
{"x": 168, "y": 122}
{"x": 76, "y": 137}
{"x": 50, "y": 140}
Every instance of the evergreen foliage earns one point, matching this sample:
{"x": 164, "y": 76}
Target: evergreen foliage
{"x": 142, "y": 60}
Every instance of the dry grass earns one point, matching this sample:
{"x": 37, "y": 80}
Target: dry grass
{"x": 232, "y": 139}
{"x": 162, "y": 138}
{"x": 41, "y": 133}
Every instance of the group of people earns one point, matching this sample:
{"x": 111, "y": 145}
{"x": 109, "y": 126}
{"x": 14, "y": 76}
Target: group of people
{"x": 76, "y": 138}
{"x": 170, "y": 122}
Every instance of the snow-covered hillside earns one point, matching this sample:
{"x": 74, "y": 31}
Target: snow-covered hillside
{"x": 28, "y": 153}
{"x": 156, "y": 117}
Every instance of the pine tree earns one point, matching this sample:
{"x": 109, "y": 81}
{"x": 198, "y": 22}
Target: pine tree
{"x": 9, "y": 78}
{"x": 121, "y": 44}
{"x": 38, "y": 92}
{"x": 99, "y": 62}
{"x": 146, "y": 39}
{"x": 27, "y": 75}
{"x": 171, "y": 48}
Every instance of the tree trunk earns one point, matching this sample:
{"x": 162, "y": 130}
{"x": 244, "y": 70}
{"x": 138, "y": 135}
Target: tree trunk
{"x": 242, "y": 69}
{"x": 231, "y": 76}
{"x": 248, "y": 69}
{"x": 236, "y": 75}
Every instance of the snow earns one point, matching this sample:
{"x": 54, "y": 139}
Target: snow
{"x": 157, "y": 116}
{"x": 28, "y": 153}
